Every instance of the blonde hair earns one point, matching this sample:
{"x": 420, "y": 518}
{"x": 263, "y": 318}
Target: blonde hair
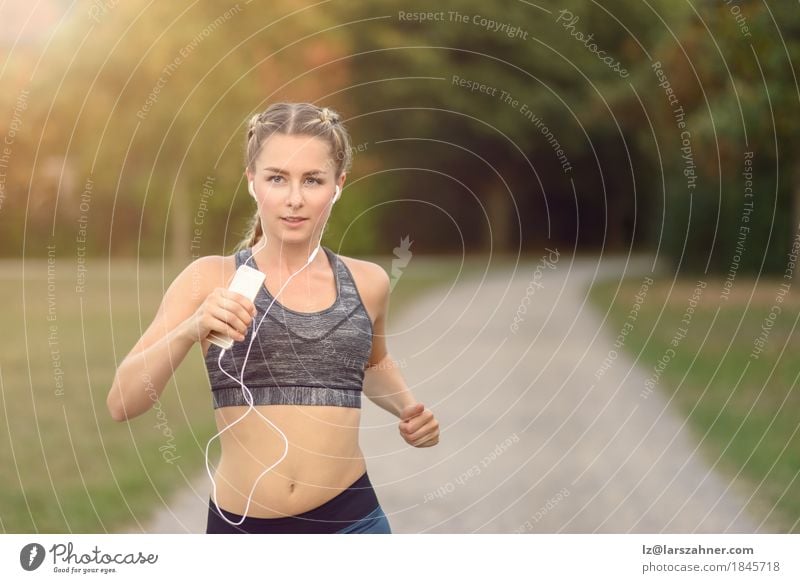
{"x": 305, "y": 119}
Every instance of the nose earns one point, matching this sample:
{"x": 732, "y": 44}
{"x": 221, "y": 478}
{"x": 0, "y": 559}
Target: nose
{"x": 295, "y": 197}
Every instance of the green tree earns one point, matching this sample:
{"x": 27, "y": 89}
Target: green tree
{"x": 731, "y": 67}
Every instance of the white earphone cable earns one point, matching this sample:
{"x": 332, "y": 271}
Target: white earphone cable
{"x": 247, "y": 392}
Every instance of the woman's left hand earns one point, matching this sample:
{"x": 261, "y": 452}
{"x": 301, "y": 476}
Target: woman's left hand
{"x": 418, "y": 426}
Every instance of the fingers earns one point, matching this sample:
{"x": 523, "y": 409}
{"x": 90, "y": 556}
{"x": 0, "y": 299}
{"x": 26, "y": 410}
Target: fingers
{"x": 219, "y": 325}
{"x": 410, "y": 426}
{"x": 238, "y": 304}
{"x": 427, "y": 441}
{"x": 231, "y": 318}
{"x": 231, "y": 314}
{"x": 421, "y": 430}
{"x": 427, "y": 435}
{"x": 411, "y": 411}
{"x": 428, "y": 431}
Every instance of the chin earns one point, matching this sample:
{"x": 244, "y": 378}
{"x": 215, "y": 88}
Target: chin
{"x": 289, "y": 237}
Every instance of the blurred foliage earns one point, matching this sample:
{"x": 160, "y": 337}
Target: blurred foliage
{"x": 732, "y": 71}
{"x": 451, "y": 168}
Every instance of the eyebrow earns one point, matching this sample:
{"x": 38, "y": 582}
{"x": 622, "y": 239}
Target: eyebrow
{"x": 280, "y": 171}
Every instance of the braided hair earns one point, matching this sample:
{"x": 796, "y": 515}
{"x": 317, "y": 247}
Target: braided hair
{"x": 294, "y": 119}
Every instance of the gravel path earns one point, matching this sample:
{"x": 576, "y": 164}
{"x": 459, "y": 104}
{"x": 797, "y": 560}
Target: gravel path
{"x": 533, "y": 439}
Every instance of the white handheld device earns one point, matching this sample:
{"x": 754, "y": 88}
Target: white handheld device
{"x": 246, "y": 281}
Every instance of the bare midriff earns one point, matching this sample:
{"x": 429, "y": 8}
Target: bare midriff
{"x": 322, "y": 460}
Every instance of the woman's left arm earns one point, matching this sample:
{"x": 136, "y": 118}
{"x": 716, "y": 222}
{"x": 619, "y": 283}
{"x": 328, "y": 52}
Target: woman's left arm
{"x": 383, "y": 383}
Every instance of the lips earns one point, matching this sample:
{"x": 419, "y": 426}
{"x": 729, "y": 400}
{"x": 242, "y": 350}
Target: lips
{"x": 293, "y": 220}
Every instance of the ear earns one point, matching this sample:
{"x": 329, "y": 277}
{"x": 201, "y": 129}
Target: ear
{"x": 250, "y": 186}
{"x": 339, "y": 185}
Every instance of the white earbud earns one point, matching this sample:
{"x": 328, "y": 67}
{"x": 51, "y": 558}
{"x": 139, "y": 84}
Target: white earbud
{"x": 251, "y": 188}
{"x": 337, "y": 195}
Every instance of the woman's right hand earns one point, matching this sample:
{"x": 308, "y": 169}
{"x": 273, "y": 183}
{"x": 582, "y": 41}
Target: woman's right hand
{"x": 223, "y": 311}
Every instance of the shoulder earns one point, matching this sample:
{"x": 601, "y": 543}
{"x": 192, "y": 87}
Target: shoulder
{"x": 205, "y": 273}
{"x": 372, "y": 282}
{"x": 187, "y": 291}
{"x": 212, "y": 265}
{"x": 369, "y": 276}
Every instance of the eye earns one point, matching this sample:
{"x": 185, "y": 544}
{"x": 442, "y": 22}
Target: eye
{"x": 314, "y": 180}
{"x": 270, "y": 179}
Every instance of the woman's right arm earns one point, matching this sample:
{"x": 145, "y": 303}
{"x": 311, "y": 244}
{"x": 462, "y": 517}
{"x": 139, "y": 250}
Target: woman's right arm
{"x": 184, "y": 317}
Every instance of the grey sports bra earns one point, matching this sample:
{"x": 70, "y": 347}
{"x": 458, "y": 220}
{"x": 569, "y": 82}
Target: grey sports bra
{"x": 298, "y": 358}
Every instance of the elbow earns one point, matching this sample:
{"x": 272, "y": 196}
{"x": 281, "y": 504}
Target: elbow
{"x": 116, "y": 412}
{"x": 118, "y": 417}
{"x": 114, "y": 403}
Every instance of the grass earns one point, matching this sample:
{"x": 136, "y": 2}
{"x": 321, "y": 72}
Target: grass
{"x": 743, "y": 410}
{"x": 66, "y": 466}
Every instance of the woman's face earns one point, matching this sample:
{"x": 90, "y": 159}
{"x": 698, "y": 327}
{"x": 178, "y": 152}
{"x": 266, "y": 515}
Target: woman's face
{"x": 294, "y": 177}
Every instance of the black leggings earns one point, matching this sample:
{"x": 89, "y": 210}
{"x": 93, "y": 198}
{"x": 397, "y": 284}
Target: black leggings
{"x": 355, "y": 509}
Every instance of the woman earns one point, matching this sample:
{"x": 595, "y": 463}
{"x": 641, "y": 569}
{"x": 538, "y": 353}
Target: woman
{"x": 317, "y": 349}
